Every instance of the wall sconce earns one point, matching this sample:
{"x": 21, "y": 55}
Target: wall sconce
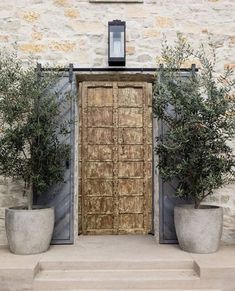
{"x": 117, "y": 43}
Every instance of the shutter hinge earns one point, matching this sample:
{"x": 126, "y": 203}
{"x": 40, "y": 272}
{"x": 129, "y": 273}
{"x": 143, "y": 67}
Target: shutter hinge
{"x": 70, "y": 73}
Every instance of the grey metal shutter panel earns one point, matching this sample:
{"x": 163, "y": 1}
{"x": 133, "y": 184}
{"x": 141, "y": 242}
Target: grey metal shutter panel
{"x": 167, "y": 199}
{"x": 167, "y": 202}
{"x": 61, "y": 196}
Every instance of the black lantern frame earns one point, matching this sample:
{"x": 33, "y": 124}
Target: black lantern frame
{"x": 120, "y": 27}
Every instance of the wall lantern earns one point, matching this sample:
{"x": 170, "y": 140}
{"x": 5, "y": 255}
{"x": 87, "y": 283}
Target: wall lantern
{"x": 117, "y": 43}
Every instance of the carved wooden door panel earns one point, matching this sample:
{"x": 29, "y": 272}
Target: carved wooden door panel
{"x": 116, "y": 158}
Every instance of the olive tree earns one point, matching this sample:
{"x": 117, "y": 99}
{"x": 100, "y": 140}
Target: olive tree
{"x": 30, "y": 148}
{"x": 199, "y": 114}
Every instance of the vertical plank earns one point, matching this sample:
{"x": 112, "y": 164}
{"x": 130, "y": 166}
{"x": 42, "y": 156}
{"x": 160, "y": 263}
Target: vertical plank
{"x": 145, "y": 142}
{"x": 79, "y": 160}
{"x": 115, "y": 159}
{"x": 84, "y": 158}
{"x": 149, "y": 158}
{"x": 97, "y": 162}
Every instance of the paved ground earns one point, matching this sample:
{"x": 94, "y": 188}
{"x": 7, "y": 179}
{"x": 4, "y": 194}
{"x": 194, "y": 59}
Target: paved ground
{"x": 91, "y": 249}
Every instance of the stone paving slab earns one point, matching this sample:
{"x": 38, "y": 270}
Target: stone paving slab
{"x": 217, "y": 270}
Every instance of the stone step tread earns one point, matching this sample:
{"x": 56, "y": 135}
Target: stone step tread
{"x": 116, "y": 275}
{"x": 131, "y": 289}
{"x": 117, "y": 265}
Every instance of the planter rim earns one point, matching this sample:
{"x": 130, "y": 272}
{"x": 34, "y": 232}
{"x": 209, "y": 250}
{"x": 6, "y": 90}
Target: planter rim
{"x": 203, "y": 207}
{"x": 22, "y": 208}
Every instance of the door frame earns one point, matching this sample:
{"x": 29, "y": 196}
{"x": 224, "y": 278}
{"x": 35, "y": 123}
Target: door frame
{"x": 117, "y": 77}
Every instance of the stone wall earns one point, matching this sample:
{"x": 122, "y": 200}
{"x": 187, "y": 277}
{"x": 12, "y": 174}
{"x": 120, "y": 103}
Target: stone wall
{"x": 11, "y": 194}
{"x": 60, "y": 32}
{"x": 63, "y": 31}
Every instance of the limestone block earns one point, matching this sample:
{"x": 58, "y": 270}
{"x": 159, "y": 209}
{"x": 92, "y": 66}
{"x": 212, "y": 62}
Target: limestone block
{"x": 4, "y": 38}
{"x": 64, "y": 46}
{"x": 71, "y": 13}
{"x": 62, "y": 3}
{"x": 132, "y": 35}
{"x": 136, "y": 11}
{"x": 151, "y": 33}
{"x": 130, "y": 50}
{"x": 232, "y": 39}
{"x": 117, "y": 1}
{"x": 10, "y": 26}
{"x": 164, "y": 21}
{"x": 3, "y": 238}
{"x": 31, "y": 16}
{"x": 99, "y": 51}
{"x": 11, "y": 194}
{"x": 32, "y": 48}
{"x": 36, "y": 35}
{"x": 5, "y": 13}
{"x": 88, "y": 27}
{"x": 98, "y": 62}
{"x": 220, "y": 29}
{"x": 144, "y": 58}
{"x": 192, "y": 27}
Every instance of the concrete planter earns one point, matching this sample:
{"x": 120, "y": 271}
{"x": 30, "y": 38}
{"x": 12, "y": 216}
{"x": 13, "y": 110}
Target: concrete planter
{"x": 29, "y": 231}
{"x": 199, "y": 230}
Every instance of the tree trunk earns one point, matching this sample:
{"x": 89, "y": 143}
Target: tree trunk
{"x": 197, "y": 203}
{"x": 30, "y": 195}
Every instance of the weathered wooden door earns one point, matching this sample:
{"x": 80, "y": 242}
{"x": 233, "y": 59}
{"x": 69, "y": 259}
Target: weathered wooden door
{"x": 116, "y": 158}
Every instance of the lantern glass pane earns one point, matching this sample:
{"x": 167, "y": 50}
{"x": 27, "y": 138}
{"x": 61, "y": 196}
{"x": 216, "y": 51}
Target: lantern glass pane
{"x": 117, "y": 41}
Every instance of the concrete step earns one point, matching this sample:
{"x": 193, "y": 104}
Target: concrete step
{"x": 117, "y": 279}
{"x": 117, "y": 265}
{"x": 133, "y": 289}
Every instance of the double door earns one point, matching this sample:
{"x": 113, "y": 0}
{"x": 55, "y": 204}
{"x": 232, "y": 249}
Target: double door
{"x": 116, "y": 158}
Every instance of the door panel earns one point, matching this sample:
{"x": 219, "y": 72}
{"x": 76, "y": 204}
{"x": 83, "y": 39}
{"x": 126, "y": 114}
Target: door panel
{"x": 130, "y": 169}
{"x": 100, "y": 117}
{"x": 60, "y": 196}
{"x": 116, "y": 147}
{"x": 132, "y": 97}
{"x": 130, "y": 117}
{"x": 99, "y": 136}
{"x": 130, "y": 186}
{"x": 130, "y": 152}
{"x": 99, "y": 152}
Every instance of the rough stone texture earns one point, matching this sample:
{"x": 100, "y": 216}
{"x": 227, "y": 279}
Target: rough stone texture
{"x": 94, "y": 255}
{"x": 202, "y": 232}
{"x": 225, "y": 198}
{"x": 53, "y": 31}
{"x": 29, "y": 231}
{"x": 60, "y": 32}
{"x": 11, "y": 194}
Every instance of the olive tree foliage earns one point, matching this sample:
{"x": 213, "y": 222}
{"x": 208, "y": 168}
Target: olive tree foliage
{"x": 199, "y": 114}
{"x": 30, "y": 149}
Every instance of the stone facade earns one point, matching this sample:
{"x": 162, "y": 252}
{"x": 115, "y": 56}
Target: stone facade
{"x": 60, "y": 32}
{"x": 11, "y": 194}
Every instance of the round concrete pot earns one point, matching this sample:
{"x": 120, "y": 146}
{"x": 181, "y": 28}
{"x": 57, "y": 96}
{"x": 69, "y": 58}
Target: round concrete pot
{"x": 29, "y": 231}
{"x": 199, "y": 230}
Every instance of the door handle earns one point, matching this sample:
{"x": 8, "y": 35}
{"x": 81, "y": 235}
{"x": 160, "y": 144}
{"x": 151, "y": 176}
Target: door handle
{"x": 67, "y": 164}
